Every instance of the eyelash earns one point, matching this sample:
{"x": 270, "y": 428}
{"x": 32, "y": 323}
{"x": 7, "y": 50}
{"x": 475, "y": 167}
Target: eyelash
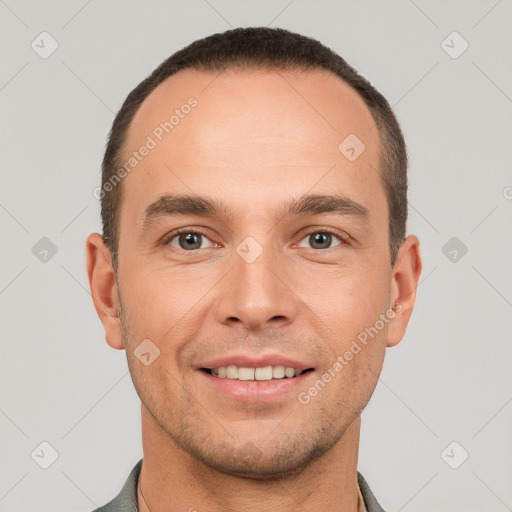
{"x": 345, "y": 240}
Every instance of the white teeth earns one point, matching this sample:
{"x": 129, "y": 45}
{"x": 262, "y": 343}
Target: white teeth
{"x": 278, "y": 372}
{"x": 289, "y": 372}
{"x": 245, "y": 373}
{"x": 262, "y": 373}
{"x": 232, "y": 372}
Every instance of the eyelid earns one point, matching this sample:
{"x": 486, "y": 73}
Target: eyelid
{"x": 341, "y": 235}
{"x": 166, "y": 239}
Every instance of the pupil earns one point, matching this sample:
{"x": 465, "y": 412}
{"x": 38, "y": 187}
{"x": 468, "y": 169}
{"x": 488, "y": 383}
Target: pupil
{"x": 190, "y": 241}
{"x": 323, "y": 239}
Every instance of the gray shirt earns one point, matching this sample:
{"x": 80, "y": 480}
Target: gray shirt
{"x": 126, "y": 500}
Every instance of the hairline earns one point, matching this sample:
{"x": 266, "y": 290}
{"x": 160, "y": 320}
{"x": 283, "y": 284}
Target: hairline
{"x": 242, "y": 69}
{"x": 384, "y": 152}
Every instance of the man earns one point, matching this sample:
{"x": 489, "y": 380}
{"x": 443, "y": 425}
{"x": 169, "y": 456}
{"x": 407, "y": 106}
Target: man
{"x": 254, "y": 266}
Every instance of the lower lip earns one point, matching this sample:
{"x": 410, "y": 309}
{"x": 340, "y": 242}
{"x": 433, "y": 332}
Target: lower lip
{"x": 257, "y": 390}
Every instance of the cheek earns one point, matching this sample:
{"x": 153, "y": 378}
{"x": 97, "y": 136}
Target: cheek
{"x": 156, "y": 302}
{"x": 351, "y": 304}
{"x": 348, "y": 300}
{"x": 157, "y": 389}
{"x": 167, "y": 309}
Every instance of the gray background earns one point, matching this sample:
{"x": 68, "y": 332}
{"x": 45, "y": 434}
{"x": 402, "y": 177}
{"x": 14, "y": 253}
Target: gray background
{"x": 449, "y": 380}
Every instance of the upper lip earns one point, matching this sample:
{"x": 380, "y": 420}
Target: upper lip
{"x": 254, "y": 361}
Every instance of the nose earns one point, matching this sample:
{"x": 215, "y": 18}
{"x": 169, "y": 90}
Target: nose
{"x": 257, "y": 294}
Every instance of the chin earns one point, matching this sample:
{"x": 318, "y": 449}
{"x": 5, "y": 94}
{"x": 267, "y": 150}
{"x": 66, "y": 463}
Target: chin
{"x": 275, "y": 461}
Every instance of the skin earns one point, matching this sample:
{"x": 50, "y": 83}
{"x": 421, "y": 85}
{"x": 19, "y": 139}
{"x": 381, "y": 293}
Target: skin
{"x": 256, "y": 139}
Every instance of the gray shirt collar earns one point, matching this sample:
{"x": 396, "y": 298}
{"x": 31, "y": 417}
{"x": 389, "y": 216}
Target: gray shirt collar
{"x": 126, "y": 500}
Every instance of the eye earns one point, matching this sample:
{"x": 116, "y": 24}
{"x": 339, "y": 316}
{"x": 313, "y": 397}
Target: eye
{"x": 189, "y": 240}
{"x": 320, "y": 240}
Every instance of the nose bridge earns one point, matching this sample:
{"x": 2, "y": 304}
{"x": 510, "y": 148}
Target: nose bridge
{"x": 254, "y": 293}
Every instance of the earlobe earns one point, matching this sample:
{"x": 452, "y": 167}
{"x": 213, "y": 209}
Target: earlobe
{"x": 404, "y": 282}
{"x": 102, "y": 281}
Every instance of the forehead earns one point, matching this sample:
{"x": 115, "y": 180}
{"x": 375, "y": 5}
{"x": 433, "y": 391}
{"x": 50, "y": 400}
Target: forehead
{"x": 272, "y": 103}
{"x": 254, "y": 131}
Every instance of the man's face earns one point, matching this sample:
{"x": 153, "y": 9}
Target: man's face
{"x": 254, "y": 285}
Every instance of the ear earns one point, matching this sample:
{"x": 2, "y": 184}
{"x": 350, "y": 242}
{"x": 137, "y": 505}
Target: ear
{"x": 404, "y": 281}
{"x": 102, "y": 281}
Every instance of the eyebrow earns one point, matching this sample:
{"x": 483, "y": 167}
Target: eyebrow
{"x": 169, "y": 205}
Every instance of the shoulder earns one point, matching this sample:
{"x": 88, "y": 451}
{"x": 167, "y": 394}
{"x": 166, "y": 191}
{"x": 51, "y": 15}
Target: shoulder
{"x": 370, "y": 501}
{"x": 126, "y": 500}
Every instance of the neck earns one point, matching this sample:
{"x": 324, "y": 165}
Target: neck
{"x": 171, "y": 479}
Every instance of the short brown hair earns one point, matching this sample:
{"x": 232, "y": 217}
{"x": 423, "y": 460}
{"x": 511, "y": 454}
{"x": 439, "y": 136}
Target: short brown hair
{"x": 272, "y": 48}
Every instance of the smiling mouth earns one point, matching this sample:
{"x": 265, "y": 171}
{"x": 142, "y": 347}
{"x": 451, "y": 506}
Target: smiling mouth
{"x": 234, "y": 372}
